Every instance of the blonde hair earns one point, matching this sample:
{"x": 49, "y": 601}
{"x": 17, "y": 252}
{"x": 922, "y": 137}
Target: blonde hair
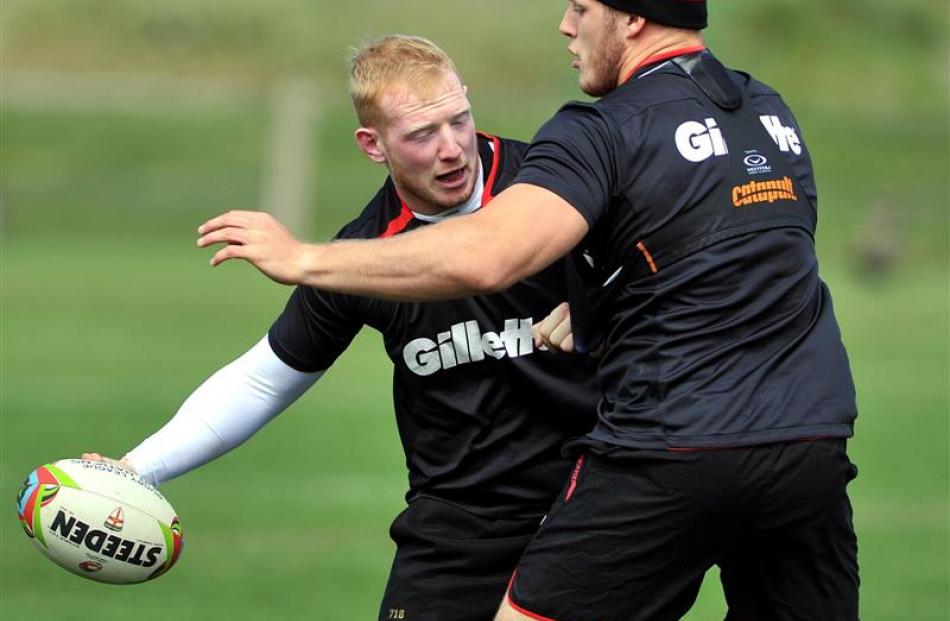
{"x": 394, "y": 59}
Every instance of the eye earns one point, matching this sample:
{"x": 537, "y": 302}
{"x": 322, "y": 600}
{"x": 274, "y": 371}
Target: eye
{"x": 420, "y": 136}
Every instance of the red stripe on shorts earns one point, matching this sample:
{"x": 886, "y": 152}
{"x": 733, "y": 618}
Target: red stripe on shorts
{"x": 520, "y": 609}
{"x": 574, "y": 475}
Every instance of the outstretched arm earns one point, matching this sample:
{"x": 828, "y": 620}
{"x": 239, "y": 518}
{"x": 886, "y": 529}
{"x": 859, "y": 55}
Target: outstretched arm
{"x": 524, "y": 229}
{"x": 227, "y": 409}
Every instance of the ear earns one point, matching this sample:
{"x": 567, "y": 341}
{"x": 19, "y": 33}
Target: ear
{"x": 370, "y": 143}
{"x": 633, "y": 25}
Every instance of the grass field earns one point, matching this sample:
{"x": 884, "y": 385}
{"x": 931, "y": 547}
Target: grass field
{"x": 110, "y": 316}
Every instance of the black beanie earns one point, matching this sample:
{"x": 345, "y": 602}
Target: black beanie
{"x": 690, "y": 14}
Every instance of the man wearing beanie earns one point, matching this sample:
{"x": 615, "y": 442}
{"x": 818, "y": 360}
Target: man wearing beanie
{"x": 686, "y": 202}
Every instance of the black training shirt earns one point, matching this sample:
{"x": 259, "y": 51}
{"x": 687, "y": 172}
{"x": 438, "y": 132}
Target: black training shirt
{"x": 481, "y": 413}
{"x": 699, "y": 268}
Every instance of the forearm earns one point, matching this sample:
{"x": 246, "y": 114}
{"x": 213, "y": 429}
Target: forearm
{"x": 434, "y": 262}
{"x": 524, "y": 229}
{"x": 517, "y": 235}
{"x": 222, "y": 413}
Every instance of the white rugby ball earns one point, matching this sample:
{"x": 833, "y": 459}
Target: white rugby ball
{"x": 100, "y": 521}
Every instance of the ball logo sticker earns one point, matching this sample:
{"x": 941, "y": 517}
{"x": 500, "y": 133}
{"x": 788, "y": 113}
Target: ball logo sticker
{"x": 115, "y": 521}
{"x": 90, "y": 566}
{"x": 700, "y": 141}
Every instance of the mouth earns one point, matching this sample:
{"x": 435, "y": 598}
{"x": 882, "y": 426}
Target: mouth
{"x": 576, "y": 62}
{"x": 452, "y": 179}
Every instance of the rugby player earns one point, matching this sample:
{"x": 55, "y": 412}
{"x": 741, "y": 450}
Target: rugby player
{"x": 481, "y": 415}
{"x": 686, "y": 198}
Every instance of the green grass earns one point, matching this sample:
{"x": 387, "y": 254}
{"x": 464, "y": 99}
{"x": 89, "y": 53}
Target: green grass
{"x": 106, "y": 339}
{"x": 110, "y": 316}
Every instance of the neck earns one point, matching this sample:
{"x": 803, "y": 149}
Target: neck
{"x": 655, "y": 40}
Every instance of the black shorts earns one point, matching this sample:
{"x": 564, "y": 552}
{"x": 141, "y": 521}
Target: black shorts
{"x": 451, "y": 565}
{"x": 635, "y": 531}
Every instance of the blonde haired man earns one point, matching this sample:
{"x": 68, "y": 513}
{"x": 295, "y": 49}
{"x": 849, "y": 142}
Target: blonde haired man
{"x": 481, "y": 413}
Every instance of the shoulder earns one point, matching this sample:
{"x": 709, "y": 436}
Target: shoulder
{"x": 500, "y": 151}
{"x": 759, "y": 89}
{"x": 579, "y": 128}
{"x": 576, "y": 117}
{"x": 650, "y": 95}
{"x": 511, "y": 147}
{"x": 501, "y": 158}
{"x": 756, "y": 89}
{"x": 768, "y": 102}
{"x": 375, "y": 217}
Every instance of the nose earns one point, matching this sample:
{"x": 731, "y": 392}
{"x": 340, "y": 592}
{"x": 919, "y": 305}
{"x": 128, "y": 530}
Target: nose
{"x": 450, "y": 147}
{"x": 566, "y": 27}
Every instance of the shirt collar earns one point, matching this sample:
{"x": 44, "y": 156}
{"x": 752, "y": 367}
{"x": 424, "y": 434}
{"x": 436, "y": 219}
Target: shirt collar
{"x": 661, "y": 58}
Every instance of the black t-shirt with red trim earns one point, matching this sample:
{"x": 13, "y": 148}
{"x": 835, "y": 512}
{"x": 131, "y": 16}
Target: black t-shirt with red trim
{"x": 481, "y": 413}
{"x": 699, "y": 269}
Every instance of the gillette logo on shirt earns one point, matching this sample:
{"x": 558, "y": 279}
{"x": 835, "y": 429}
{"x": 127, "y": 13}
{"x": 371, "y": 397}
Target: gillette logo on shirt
{"x": 464, "y": 342}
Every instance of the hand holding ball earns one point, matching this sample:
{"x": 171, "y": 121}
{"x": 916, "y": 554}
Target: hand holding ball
{"x": 100, "y": 521}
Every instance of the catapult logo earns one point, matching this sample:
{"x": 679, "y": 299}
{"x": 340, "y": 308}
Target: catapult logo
{"x": 770, "y": 191}
{"x": 465, "y": 342}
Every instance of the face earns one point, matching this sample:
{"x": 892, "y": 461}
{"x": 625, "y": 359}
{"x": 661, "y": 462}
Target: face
{"x": 597, "y": 43}
{"x": 428, "y": 143}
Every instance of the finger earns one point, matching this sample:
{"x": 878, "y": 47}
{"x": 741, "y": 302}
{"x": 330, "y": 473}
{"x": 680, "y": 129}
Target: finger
{"x": 235, "y": 217}
{"x": 226, "y": 253}
{"x": 540, "y": 333}
{"x": 536, "y": 333}
{"x": 121, "y": 463}
{"x": 555, "y": 317}
{"x": 229, "y": 235}
{"x": 550, "y": 323}
{"x": 221, "y": 221}
{"x": 542, "y": 343}
{"x": 560, "y": 333}
{"x": 568, "y": 344}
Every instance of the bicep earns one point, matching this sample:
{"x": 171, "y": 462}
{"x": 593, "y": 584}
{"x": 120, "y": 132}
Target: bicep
{"x": 315, "y": 328}
{"x": 529, "y": 228}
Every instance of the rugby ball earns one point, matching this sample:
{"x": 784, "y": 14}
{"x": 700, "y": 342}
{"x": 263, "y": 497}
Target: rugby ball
{"x": 100, "y": 521}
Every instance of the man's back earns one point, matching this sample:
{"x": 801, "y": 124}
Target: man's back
{"x": 721, "y": 332}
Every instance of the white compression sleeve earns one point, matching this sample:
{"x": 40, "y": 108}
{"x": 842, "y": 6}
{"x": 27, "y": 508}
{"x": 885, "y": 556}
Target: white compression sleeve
{"x": 227, "y": 409}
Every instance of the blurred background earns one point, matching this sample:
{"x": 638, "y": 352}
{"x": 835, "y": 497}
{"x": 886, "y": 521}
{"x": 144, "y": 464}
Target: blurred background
{"x": 125, "y": 124}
